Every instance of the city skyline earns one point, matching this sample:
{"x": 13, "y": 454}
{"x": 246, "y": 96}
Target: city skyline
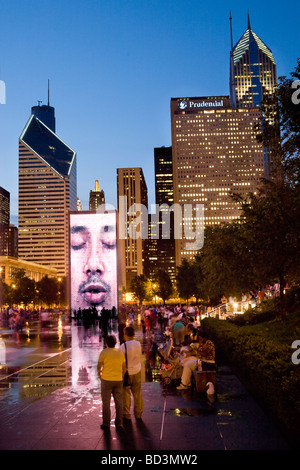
{"x": 113, "y": 73}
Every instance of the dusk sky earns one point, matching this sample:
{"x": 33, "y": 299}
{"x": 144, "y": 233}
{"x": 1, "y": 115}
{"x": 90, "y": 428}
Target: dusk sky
{"x": 113, "y": 67}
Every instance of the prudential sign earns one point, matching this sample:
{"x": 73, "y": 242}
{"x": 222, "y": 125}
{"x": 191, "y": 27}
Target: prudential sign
{"x": 183, "y": 104}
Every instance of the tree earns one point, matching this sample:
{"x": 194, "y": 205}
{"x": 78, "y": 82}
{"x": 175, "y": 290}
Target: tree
{"x": 224, "y": 261}
{"x": 5, "y": 293}
{"x": 25, "y": 290}
{"x": 48, "y": 290}
{"x": 22, "y": 290}
{"x": 165, "y": 287}
{"x": 139, "y": 287}
{"x": 185, "y": 279}
{"x": 272, "y": 234}
{"x": 63, "y": 289}
{"x": 197, "y": 267}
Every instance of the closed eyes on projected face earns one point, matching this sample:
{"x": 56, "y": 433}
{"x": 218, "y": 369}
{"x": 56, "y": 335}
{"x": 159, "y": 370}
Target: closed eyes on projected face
{"x": 93, "y": 249}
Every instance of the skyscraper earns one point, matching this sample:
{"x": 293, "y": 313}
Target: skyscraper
{"x": 13, "y": 240}
{"x": 132, "y": 234}
{"x": 47, "y": 191}
{"x": 215, "y": 152}
{"x": 164, "y": 194}
{"x": 96, "y": 197}
{"x": 4, "y": 221}
{"x": 252, "y": 70}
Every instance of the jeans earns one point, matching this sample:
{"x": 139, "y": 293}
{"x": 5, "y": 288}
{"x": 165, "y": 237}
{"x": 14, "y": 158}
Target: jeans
{"x": 135, "y": 387}
{"x": 114, "y": 388}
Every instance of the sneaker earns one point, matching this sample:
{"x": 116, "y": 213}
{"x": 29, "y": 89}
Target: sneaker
{"x": 182, "y": 387}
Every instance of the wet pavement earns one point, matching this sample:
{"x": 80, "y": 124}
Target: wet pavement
{"x": 50, "y": 400}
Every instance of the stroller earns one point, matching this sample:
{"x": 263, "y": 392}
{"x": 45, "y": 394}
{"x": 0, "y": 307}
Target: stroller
{"x": 171, "y": 368}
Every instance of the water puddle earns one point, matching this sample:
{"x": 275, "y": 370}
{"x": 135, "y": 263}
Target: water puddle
{"x": 205, "y": 411}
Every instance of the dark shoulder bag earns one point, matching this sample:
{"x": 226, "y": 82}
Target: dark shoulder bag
{"x": 126, "y": 376}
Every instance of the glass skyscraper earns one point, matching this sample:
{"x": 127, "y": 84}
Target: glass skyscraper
{"x": 253, "y": 70}
{"x": 47, "y": 191}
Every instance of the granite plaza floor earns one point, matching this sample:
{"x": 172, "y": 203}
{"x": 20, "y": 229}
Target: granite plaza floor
{"x": 50, "y": 400}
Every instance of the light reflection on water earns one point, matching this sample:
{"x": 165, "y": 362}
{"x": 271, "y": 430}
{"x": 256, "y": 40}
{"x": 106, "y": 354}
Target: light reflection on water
{"x": 86, "y": 347}
{"x": 66, "y": 355}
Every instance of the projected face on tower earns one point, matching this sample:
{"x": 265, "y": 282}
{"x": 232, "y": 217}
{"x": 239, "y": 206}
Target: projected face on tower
{"x": 93, "y": 260}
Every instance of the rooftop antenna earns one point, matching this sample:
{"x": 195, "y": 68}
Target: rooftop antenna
{"x": 249, "y": 27}
{"x": 48, "y": 92}
{"x": 231, "y": 41}
{"x": 232, "y": 87}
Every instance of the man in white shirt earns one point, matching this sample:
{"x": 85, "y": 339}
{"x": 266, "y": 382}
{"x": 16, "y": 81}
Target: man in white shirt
{"x": 133, "y": 349}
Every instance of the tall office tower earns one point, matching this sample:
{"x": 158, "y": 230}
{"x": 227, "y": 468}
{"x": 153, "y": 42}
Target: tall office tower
{"x": 96, "y": 197}
{"x": 13, "y": 239}
{"x": 4, "y": 221}
{"x": 79, "y": 206}
{"x": 47, "y": 192}
{"x": 133, "y": 226}
{"x": 152, "y": 250}
{"x": 215, "y": 152}
{"x": 164, "y": 195}
{"x": 252, "y": 70}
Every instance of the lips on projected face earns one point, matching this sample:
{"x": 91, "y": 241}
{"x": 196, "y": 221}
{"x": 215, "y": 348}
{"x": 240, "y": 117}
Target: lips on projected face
{"x": 95, "y": 293}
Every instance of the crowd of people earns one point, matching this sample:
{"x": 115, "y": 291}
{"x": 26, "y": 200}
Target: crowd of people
{"x": 257, "y": 295}
{"x": 18, "y": 319}
{"x": 162, "y": 316}
{"x": 178, "y": 324}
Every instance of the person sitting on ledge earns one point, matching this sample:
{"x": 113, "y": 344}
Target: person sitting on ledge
{"x": 204, "y": 351}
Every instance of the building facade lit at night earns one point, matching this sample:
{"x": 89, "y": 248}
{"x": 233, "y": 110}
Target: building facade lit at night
{"x": 96, "y": 198}
{"x": 215, "y": 153}
{"x": 164, "y": 194}
{"x": 133, "y": 251}
{"x": 47, "y": 192}
{"x": 253, "y": 71}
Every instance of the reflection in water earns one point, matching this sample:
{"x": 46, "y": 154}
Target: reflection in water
{"x": 87, "y": 343}
{"x": 86, "y": 348}
{"x": 65, "y": 354}
{"x": 199, "y": 411}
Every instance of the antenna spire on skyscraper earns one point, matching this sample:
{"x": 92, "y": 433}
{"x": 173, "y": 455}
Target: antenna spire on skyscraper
{"x": 232, "y": 81}
{"x": 48, "y": 92}
{"x": 230, "y": 19}
{"x": 249, "y": 26}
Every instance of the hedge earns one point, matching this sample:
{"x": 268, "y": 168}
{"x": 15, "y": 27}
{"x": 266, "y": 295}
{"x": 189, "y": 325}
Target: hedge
{"x": 261, "y": 356}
